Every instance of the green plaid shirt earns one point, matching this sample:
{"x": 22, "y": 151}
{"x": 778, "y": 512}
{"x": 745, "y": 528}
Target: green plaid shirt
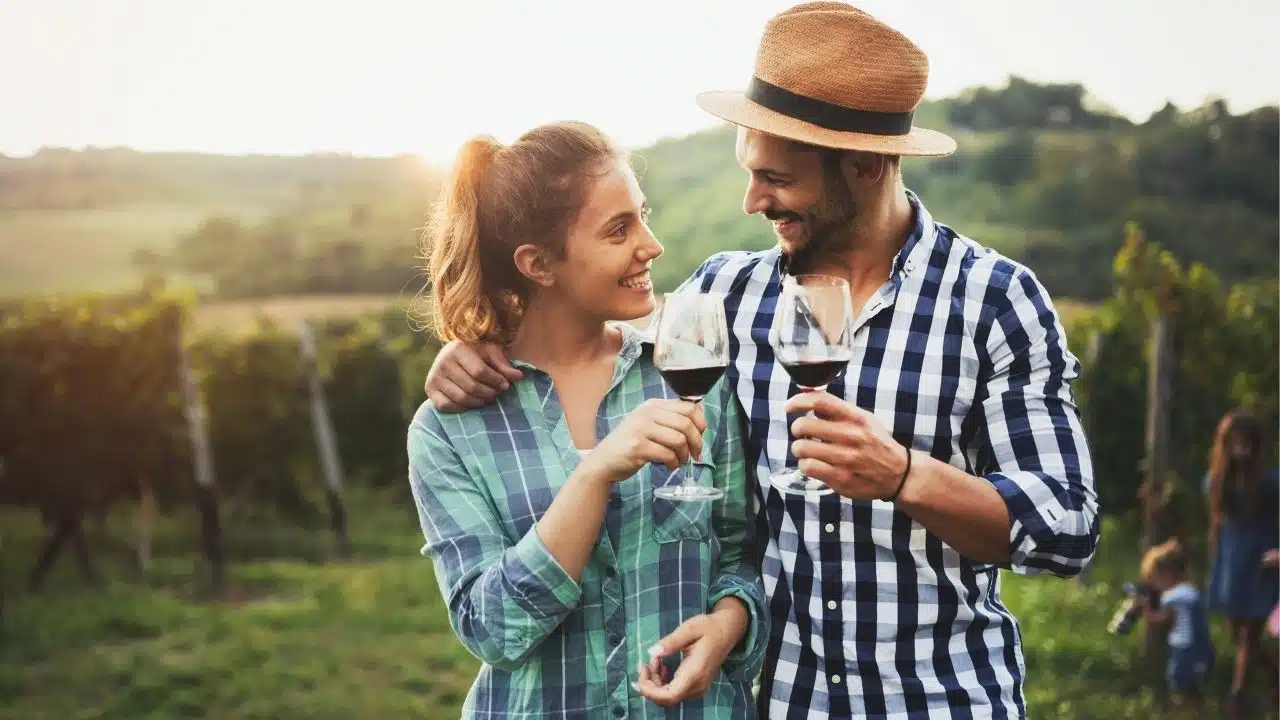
{"x": 553, "y": 647}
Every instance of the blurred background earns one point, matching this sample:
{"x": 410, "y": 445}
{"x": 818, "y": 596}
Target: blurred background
{"x": 209, "y": 216}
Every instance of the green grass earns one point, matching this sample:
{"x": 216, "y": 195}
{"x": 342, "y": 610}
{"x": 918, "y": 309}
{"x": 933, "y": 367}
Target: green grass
{"x": 76, "y": 250}
{"x": 306, "y": 636}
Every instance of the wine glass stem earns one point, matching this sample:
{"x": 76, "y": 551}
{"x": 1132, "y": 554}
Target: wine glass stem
{"x": 688, "y": 465}
{"x": 811, "y": 414}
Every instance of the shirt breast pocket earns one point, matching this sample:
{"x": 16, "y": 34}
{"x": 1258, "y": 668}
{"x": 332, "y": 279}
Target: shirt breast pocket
{"x": 675, "y": 520}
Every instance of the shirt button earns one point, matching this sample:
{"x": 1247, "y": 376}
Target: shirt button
{"x": 831, "y": 527}
{"x": 619, "y": 711}
{"x": 835, "y": 679}
{"x": 831, "y": 604}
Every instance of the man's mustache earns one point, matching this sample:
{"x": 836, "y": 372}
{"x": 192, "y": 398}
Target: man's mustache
{"x": 775, "y": 214}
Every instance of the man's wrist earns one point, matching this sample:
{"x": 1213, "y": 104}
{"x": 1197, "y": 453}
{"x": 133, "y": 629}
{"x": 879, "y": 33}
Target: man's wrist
{"x": 915, "y": 481}
{"x": 898, "y": 482}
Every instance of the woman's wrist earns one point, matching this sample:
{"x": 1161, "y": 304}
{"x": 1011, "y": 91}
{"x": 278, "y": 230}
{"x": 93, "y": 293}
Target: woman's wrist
{"x": 594, "y": 474}
{"x": 731, "y": 614}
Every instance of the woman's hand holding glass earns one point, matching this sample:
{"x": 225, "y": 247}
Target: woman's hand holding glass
{"x": 668, "y": 432}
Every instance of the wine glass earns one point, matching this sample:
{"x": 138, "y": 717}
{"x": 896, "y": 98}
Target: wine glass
{"x": 691, "y": 350}
{"x": 812, "y": 337}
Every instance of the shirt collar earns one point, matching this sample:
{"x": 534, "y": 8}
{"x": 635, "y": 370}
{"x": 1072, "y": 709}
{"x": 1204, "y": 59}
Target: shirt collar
{"x": 912, "y": 255}
{"x": 915, "y": 251}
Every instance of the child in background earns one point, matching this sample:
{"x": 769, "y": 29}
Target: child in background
{"x": 1164, "y": 567}
{"x": 1272, "y": 560}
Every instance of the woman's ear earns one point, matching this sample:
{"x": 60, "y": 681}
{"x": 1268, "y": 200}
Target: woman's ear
{"x": 532, "y": 263}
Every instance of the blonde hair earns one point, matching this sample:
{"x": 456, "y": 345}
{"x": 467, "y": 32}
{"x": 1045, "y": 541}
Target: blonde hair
{"x": 1168, "y": 558}
{"x": 495, "y": 199}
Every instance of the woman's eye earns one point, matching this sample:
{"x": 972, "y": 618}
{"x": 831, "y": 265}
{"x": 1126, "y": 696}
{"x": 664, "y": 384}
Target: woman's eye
{"x": 620, "y": 231}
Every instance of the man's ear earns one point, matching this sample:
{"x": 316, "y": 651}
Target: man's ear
{"x": 863, "y": 169}
{"x": 531, "y": 261}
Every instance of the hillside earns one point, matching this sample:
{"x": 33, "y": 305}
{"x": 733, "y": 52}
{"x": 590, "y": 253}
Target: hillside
{"x": 1039, "y": 176}
{"x": 95, "y": 178}
{"x": 100, "y": 219}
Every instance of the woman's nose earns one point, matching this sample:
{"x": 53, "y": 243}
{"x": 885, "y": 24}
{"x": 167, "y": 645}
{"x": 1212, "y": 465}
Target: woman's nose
{"x": 650, "y": 248}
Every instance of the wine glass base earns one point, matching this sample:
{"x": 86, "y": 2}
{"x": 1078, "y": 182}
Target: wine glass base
{"x": 688, "y": 492}
{"x": 794, "y": 482}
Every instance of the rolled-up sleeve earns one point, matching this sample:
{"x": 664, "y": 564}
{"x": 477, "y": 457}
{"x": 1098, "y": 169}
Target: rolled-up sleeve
{"x": 1035, "y": 442}
{"x": 504, "y": 598}
{"x": 737, "y": 574}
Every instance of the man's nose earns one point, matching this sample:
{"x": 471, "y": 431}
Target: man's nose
{"x": 757, "y": 200}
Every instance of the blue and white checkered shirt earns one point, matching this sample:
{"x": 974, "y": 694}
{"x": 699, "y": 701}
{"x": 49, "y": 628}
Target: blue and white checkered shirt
{"x": 960, "y": 354}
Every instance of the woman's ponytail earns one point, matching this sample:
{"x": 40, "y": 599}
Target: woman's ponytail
{"x": 459, "y": 306}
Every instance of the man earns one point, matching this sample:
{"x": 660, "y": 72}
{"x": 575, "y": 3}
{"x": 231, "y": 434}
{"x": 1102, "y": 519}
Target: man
{"x": 952, "y": 441}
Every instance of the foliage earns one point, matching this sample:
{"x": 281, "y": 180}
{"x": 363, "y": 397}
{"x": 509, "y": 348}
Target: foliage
{"x": 1226, "y": 345}
{"x": 1205, "y": 185}
{"x": 259, "y": 424}
{"x": 285, "y": 256}
{"x": 407, "y": 337}
{"x": 88, "y": 407}
{"x": 1022, "y": 104}
{"x": 92, "y": 383}
{"x": 364, "y": 385}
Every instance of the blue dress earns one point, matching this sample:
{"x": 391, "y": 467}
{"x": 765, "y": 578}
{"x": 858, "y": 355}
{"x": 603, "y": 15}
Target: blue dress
{"x": 1239, "y": 587}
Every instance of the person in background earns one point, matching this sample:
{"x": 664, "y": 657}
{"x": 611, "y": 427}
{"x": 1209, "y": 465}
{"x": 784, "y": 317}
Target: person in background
{"x": 1243, "y": 497}
{"x": 1164, "y": 567}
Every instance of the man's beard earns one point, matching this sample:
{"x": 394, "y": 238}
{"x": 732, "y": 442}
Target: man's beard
{"x": 830, "y": 229}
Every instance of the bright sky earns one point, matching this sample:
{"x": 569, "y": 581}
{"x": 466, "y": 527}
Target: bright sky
{"x": 381, "y": 77}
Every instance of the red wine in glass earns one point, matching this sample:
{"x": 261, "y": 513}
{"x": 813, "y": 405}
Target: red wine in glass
{"x": 692, "y": 383}
{"x": 691, "y": 351}
{"x": 816, "y": 374}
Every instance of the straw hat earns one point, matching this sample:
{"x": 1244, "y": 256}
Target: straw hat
{"x": 829, "y": 74}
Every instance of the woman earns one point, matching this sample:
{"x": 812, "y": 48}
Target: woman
{"x": 575, "y": 586}
{"x": 1242, "y": 529}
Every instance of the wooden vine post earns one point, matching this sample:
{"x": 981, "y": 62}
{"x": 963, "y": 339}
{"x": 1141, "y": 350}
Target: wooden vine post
{"x": 1156, "y": 511}
{"x": 202, "y": 459}
{"x": 326, "y": 444}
